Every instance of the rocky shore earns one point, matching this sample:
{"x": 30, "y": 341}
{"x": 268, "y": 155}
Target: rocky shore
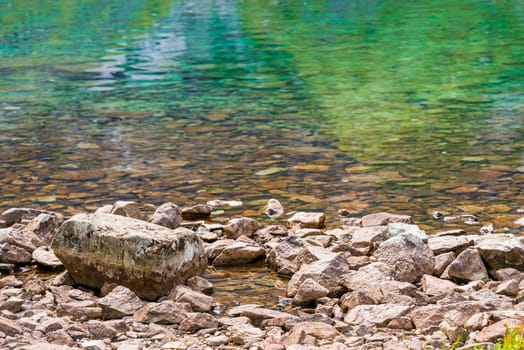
{"x": 117, "y": 279}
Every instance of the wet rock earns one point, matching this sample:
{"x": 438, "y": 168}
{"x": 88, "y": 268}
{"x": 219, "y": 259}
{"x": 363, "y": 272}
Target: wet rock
{"x": 468, "y": 266}
{"x": 215, "y": 248}
{"x": 444, "y": 244}
{"x": 168, "y": 215}
{"x": 45, "y": 257}
{"x": 196, "y": 212}
{"x": 408, "y": 256}
{"x": 243, "y": 251}
{"x": 309, "y": 291}
{"x": 120, "y": 302}
{"x": 274, "y": 209}
{"x": 316, "y": 330}
{"x": 375, "y": 315}
{"x": 240, "y": 227}
{"x": 307, "y": 220}
{"x": 282, "y": 258}
{"x": 442, "y": 261}
{"x": 501, "y": 251}
{"x": 194, "y": 321}
{"x": 126, "y": 208}
{"x": 325, "y": 271}
{"x": 164, "y": 312}
{"x": 147, "y": 258}
{"x": 436, "y": 287}
{"x": 199, "y": 301}
{"x": 497, "y": 330}
{"x": 382, "y": 219}
{"x": 200, "y": 284}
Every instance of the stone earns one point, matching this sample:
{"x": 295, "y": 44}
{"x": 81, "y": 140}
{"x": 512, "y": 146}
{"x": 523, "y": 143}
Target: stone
{"x": 10, "y": 327}
{"x": 436, "y": 287}
{"x": 258, "y": 315}
{"x": 308, "y": 291}
{"x": 496, "y": 331}
{"x": 382, "y": 219}
{"x": 520, "y": 222}
{"x": 194, "y": 321}
{"x": 442, "y": 261}
{"x": 509, "y": 274}
{"x": 444, "y": 244}
{"x": 396, "y": 228}
{"x": 355, "y": 298}
{"x": 240, "y": 252}
{"x": 245, "y": 334}
{"x": 274, "y": 209}
{"x": 7, "y": 269}
{"x": 93, "y": 345}
{"x": 370, "y": 236}
{"x": 325, "y": 271}
{"x": 508, "y": 287}
{"x": 501, "y": 250}
{"x": 218, "y": 340}
{"x": 240, "y": 227}
{"x": 13, "y": 304}
{"x": 199, "y": 301}
{"x": 164, "y": 312}
{"x": 307, "y": 220}
{"x": 167, "y": 215}
{"x": 429, "y": 316}
{"x": 120, "y": 302}
{"x": 468, "y": 266}
{"x": 215, "y": 248}
{"x": 45, "y": 257}
{"x": 101, "y": 330}
{"x": 147, "y": 258}
{"x": 200, "y": 284}
{"x": 282, "y": 258}
{"x": 17, "y": 215}
{"x": 79, "y": 310}
{"x": 375, "y": 315}
{"x": 316, "y": 330}
{"x": 408, "y": 256}
{"x": 196, "y": 212}
{"x": 15, "y": 245}
{"x": 126, "y": 208}
{"x": 34, "y": 286}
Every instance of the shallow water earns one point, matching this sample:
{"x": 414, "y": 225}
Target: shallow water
{"x": 366, "y": 105}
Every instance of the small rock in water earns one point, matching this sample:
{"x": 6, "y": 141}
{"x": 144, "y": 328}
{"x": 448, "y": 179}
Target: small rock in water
{"x": 520, "y": 221}
{"x": 196, "y": 212}
{"x": 437, "y": 215}
{"x": 274, "y": 209}
{"x": 485, "y": 230}
{"x": 343, "y": 212}
{"x": 168, "y": 215}
{"x": 470, "y": 219}
{"x": 221, "y": 203}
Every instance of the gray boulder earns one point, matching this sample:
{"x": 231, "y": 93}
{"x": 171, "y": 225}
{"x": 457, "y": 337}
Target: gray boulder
{"x": 147, "y": 258}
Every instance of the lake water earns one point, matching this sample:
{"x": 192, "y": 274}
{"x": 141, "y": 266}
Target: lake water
{"x": 406, "y": 106}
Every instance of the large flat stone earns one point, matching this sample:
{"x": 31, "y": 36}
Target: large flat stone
{"x": 148, "y": 259}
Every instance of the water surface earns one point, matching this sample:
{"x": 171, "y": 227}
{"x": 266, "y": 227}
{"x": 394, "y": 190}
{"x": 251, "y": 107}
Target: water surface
{"x": 366, "y": 105}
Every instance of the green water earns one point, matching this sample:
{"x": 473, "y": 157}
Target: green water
{"x": 367, "y": 105}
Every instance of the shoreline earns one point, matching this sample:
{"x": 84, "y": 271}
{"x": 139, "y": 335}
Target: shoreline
{"x": 372, "y": 282}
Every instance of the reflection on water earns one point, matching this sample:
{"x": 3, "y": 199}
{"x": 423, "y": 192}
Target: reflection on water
{"x": 365, "y": 105}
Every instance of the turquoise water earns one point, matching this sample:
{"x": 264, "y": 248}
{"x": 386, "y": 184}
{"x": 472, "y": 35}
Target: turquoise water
{"x": 367, "y": 105}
